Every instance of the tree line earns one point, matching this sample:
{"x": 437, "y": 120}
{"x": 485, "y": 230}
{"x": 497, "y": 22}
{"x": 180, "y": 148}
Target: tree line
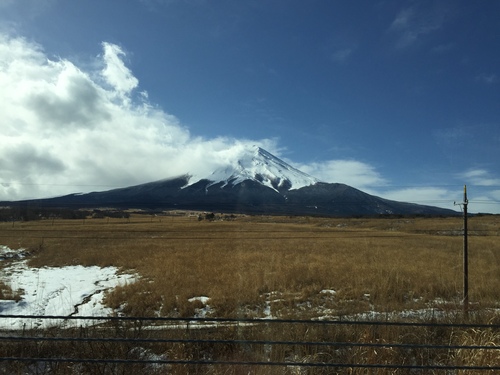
{"x": 30, "y": 213}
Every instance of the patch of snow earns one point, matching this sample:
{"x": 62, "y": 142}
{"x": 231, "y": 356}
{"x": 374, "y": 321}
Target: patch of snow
{"x": 202, "y": 299}
{"x": 422, "y": 314}
{"x": 267, "y": 311}
{"x": 328, "y": 291}
{"x": 204, "y": 311}
{"x": 61, "y": 291}
{"x": 7, "y": 253}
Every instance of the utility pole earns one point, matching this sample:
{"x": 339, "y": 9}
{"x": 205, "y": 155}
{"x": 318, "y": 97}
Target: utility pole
{"x": 465, "y": 300}
{"x": 466, "y": 258}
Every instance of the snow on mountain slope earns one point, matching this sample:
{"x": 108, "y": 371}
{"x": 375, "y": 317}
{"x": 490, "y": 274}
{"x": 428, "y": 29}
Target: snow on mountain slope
{"x": 259, "y": 165}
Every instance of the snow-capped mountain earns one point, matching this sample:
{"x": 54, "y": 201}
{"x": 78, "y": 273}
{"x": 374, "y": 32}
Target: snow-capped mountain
{"x": 261, "y": 166}
{"x": 255, "y": 182}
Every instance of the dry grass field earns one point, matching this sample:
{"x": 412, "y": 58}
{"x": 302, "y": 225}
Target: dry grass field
{"x": 401, "y": 269}
{"x": 257, "y": 266}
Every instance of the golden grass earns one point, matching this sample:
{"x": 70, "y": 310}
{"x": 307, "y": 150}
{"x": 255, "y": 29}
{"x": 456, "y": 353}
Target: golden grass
{"x": 250, "y": 263}
{"x": 481, "y": 357}
{"x": 300, "y": 267}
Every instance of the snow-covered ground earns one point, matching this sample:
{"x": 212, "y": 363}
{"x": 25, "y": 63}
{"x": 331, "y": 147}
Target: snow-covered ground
{"x": 61, "y": 291}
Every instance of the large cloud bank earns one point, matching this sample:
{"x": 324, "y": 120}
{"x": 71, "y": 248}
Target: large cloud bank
{"x": 67, "y": 130}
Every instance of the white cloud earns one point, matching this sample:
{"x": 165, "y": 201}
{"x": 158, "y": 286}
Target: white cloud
{"x": 489, "y": 203}
{"x": 341, "y": 55}
{"x": 479, "y": 177}
{"x": 488, "y": 79}
{"x": 479, "y": 193}
{"x": 63, "y": 131}
{"x": 116, "y": 73}
{"x": 413, "y": 23}
{"x": 495, "y": 194}
{"x": 403, "y": 18}
{"x": 428, "y": 195}
{"x": 351, "y": 172}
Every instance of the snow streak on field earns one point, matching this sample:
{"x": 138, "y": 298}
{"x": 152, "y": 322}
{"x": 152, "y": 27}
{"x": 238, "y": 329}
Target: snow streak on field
{"x": 63, "y": 291}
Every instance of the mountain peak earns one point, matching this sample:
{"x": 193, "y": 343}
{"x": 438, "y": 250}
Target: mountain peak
{"x": 261, "y": 166}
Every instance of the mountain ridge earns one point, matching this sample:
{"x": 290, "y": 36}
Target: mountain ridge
{"x": 255, "y": 183}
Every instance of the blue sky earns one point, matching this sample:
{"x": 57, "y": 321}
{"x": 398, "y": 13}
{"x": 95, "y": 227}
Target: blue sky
{"x": 397, "y": 98}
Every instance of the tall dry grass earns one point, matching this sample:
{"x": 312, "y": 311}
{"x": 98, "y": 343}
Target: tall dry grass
{"x": 349, "y": 344}
{"x": 294, "y": 266}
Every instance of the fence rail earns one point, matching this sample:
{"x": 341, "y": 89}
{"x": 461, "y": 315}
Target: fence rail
{"x": 64, "y": 345}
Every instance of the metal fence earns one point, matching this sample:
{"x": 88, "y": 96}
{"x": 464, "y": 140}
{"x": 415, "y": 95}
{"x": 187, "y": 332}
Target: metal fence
{"x": 115, "y": 345}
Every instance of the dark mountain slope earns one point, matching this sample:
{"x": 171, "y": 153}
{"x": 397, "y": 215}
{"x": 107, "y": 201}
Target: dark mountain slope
{"x": 246, "y": 197}
{"x": 258, "y": 182}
